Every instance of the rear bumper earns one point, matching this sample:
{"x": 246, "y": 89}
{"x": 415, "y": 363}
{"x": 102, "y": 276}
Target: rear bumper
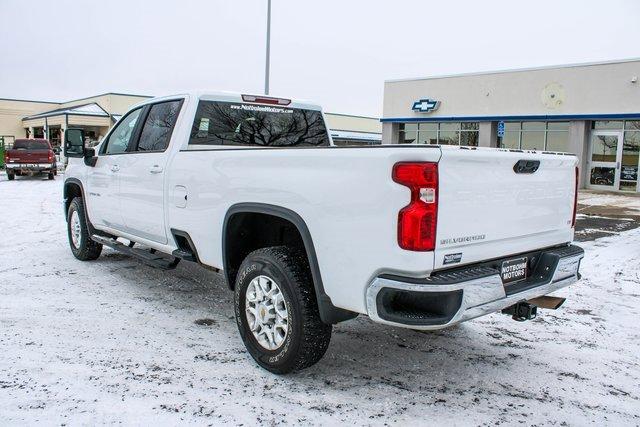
{"x": 454, "y": 296}
{"x": 31, "y": 167}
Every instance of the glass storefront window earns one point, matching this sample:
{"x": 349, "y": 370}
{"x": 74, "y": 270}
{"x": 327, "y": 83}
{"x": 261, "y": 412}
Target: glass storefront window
{"x": 428, "y": 137}
{"x": 558, "y": 126}
{"x": 630, "y": 160}
{"x": 607, "y": 124}
{"x": 632, "y": 125}
{"x": 429, "y": 126}
{"x": 558, "y": 141}
{"x": 407, "y": 137}
{"x": 469, "y": 139}
{"x": 549, "y": 136}
{"x": 604, "y": 148}
{"x": 449, "y": 126}
{"x": 533, "y": 126}
{"x": 449, "y": 138}
{"x": 511, "y": 139}
{"x": 532, "y": 140}
{"x": 445, "y": 133}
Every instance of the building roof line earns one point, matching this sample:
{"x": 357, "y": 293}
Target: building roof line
{"x": 351, "y": 115}
{"x": 515, "y": 70}
{"x": 107, "y": 93}
{"x": 76, "y": 100}
{"x": 354, "y": 131}
{"x": 535, "y": 117}
{"x": 29, "y": 100}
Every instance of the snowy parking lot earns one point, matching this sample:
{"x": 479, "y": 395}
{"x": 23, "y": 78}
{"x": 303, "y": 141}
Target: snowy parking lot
{"x": 114, "y": 341}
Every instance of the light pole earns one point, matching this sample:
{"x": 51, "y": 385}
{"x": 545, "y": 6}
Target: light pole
{"x": 266, "y": 69}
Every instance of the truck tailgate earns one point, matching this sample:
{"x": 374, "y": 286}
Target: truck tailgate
{"x": 486, "y": 210}
{"x": 29, "y": 156}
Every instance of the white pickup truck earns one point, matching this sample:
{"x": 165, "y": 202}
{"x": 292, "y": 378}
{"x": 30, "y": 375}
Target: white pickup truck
{"x": 309, "y": 234}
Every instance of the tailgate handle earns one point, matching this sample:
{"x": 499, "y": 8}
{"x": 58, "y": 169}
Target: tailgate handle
{"x": 526, "y": 166}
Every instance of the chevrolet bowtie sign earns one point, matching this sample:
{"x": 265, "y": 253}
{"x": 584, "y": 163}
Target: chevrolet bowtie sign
{"x": 425, "y": 105}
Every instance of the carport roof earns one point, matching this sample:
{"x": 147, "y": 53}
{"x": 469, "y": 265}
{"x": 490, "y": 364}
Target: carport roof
{"x": 91, "y": 109}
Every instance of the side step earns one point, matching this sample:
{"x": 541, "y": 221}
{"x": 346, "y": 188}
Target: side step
{"x": 150, "y": 257}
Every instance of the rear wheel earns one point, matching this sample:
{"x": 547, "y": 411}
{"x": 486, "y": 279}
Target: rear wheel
{"x": 80, "y": 242}
{"x": 51, "y": 175}
{"x": 11, "y": 176}
{"x": 277, "y": 312}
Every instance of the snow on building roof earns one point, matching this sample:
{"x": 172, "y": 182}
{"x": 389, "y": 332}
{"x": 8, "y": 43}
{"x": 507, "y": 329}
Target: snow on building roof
{"x": 91, "y": 109}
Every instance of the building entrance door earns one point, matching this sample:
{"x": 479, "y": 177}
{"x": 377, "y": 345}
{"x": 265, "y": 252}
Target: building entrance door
{"x": 611, "y": 166}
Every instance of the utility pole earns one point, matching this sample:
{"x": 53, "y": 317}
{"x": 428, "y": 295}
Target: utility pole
{"x": 266, "y": 69}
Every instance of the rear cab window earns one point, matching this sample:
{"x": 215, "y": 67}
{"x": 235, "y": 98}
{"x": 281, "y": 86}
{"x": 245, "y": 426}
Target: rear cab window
{"x": 30, "y": 144}
{"x": 242, "y": 124}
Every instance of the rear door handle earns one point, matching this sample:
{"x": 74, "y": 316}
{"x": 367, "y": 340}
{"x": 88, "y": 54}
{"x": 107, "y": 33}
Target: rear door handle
{"x": 115, "y": 168}
{"x": 155, "y": 169}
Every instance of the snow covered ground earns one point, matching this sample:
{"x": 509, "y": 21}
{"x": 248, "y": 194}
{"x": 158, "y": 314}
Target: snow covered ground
{"x": 113, "y": 341}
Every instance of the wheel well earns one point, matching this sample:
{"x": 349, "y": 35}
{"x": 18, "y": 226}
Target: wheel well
{"x": 71, "y": 191}
{"x": 247, "y": 231}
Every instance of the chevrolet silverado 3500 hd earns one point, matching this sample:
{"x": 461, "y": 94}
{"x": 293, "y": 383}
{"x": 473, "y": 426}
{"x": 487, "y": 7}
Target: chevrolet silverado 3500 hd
{"x": 309, "y": 234}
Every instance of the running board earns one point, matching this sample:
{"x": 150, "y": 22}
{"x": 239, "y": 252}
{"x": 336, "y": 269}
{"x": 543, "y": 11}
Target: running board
{"x": 150, "y": 257}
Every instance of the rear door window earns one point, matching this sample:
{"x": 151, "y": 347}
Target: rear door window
{"x": 235, "y": 123}
{"x": 158, "y": 127}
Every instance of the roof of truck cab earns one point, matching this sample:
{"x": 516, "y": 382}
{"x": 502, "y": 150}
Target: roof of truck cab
{"x": 224, "y": 96}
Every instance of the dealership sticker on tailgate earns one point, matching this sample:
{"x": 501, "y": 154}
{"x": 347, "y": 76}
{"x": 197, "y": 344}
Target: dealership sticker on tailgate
{"x": 514, "y": 270}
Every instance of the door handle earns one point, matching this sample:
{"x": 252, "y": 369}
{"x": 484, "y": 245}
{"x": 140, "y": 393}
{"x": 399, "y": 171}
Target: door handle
{"x": 115, "y": 168}
{"x": 155, "y": 169}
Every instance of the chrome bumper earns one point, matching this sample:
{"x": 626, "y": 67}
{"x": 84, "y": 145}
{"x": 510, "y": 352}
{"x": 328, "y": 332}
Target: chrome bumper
{"x": 480, "y": 296}
{"x": 30, "y": 166}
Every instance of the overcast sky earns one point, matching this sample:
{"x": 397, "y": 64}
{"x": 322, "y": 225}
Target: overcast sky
{"x": 335, "y": 52}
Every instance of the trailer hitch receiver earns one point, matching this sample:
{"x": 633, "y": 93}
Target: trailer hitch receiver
{"x": 521, "y": 311}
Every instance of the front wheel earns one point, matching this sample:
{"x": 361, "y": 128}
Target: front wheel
{"x": 277, "y": 312}
{"x": 80, "y": 241}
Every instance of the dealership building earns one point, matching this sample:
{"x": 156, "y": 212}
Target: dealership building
{"x": 591, "y": 110}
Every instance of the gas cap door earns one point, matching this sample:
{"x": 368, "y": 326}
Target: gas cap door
{"x": 180, "y": 196}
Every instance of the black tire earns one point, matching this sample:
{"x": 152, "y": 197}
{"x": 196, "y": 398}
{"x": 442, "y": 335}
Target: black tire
{"x": 87, "y": 249}
{"x": 51, "y": 176}
{"x": 307, "y": 338}
{"x": 11, "y": 176}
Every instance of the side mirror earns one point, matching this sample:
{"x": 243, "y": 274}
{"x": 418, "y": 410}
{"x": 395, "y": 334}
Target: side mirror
{"x": 74, "y": 143}
{"x": 90, "y": 158}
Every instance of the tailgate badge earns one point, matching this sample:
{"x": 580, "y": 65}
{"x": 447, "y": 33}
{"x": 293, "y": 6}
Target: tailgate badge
{"x": 452, "y": 258}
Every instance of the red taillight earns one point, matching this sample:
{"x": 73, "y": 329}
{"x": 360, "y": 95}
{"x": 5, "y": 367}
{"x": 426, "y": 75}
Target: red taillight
{"x": 575, "y": 200}
{"x": 417, "y": 221}
{"x": 265, "y": 100}
{"x": 51, "y": 156}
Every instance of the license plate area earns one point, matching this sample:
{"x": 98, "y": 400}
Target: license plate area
{"x": 514, "y": 270}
